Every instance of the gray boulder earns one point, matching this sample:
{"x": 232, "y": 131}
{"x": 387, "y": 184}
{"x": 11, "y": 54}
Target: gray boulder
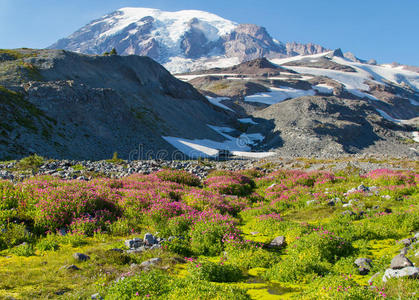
{"x": 278, "y": 242}
{"x": 406, "y": 242}
{"x": 363, "y": 262}
{"x": 149, "y": 239}
{"x": 399, "y": 262}
{"x": 364, "y": 265}
{"x": 151, "y": 262}
{"x": 409, "y": 272}
{"x": 81, "y": 256}
{"x": 363, "y": 188}
{"x": 96, "y": 296}
{"x": 348, "y": 212}
{"x": 70, "y": 267}
{"x": 134, "y": 243}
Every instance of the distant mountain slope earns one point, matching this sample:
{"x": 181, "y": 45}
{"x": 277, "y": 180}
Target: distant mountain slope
{"x": 320, "y": 105}
{"x": 62, "y": 104}
{"x": 179, "y": 39}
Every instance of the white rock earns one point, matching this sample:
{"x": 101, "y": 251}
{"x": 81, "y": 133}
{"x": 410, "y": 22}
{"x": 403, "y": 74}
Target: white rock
{"x": 410, "y": 272}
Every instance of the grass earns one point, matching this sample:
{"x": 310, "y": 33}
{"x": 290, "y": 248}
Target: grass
{"x": 159, "y": 203}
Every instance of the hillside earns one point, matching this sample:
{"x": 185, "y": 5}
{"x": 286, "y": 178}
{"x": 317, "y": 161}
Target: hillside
{"x": 319, "y": 105}
{"x": 68, "y": 105}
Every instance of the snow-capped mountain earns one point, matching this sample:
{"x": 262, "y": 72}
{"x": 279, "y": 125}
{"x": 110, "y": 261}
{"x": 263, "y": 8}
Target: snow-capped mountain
{"x": 182, "y": 41}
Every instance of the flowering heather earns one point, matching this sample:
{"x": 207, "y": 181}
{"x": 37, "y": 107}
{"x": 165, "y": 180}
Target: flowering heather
{"x": 392, "y": 177}
{"x": 88, "y": 225}
{"x": 179, "y": 176}
{"x": 56, "y": 207}
{"x": 230, "y": 184}
{"x": 203, "y": 200}
{"x": 271, "y": 216}
{"x": 207, "y": 233}
{"x": 228, "y": 221}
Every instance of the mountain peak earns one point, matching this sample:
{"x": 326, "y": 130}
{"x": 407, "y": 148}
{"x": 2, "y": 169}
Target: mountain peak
{"x": 261, "y": 63}
{"x": 336, "y": 53}
{"x": 177, "y": 38}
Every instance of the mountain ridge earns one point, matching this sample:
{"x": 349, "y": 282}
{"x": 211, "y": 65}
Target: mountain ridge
{"x": 175, "y": 38}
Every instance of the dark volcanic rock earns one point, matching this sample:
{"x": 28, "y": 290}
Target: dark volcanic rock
{"x": 329, "y": 126}
{"x": 81, "y": 256}
{"x": 256, "y": 67}
{"x": 88, "y": 107}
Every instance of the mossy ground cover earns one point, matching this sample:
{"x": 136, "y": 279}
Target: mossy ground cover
{"x": 222, "y": 227}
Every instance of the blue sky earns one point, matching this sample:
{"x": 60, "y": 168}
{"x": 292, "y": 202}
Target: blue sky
{"x": 386, "y": 30}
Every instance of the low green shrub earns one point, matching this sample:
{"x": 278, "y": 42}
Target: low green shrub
{"x": 74, "y": 239}
{"x": 302, "y": 268}
{"x": 179, "y": 176}
{"x": 207, "y": 236}
{"x": 152, "y": 284}
{"x": 229, "y": 183}
{"x": 216, "y": 272}
{"x": 9, "y": 195}
{"x": 12, "y": 234}
{"x": 323, "y": 244}
{"x": 192, "y": 289}
{"x": 112, "y": 257}
{"x": 24, "y": 249}
{"x": 340, "y": 287}
{"x": 50, "y": 242}
{"x": 177, "y": 226}
{"x": 178, "y": 245}
{"x": 123, "y": 227}
{"x": 250, "y": 255}
{"x": 30, "y": 162}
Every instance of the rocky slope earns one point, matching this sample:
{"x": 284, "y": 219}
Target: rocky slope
{"x": 66, "y": 105}
{"x": 330, "y": 127}
{"x": 324, "y": 105}
{"x": 178, "y": 39}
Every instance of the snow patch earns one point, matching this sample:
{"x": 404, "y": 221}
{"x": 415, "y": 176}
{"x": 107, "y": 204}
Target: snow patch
{"x": 387, "y": 116}
{"x": 277, "y": 95}
{"x": 360, "y": 94}
{"x": 413, "y": 102}
{"x": 382, "y": 74}
{"x": 178, "y": 64}
{"x": 217, "y": 101}
{"x": 280, "y": 61}
{"x": 351, "y": 80}
{"x": 323, "y": 88}
{"x": 209, "y": 148}
{"x": 253, "y": 154}
{"x": 247, "y": 121}
{"x": 416, "y": 136}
